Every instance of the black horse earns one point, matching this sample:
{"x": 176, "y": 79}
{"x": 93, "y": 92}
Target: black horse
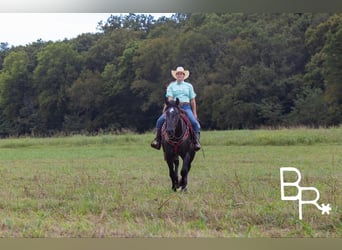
{"x": 177, "y": 140}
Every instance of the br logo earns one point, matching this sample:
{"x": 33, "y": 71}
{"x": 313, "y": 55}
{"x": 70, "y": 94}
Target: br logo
{"x": 300, "y": 190}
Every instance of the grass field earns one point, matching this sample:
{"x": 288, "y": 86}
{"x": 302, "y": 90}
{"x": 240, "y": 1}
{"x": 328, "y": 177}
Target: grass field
{"x": 117, "y": 186}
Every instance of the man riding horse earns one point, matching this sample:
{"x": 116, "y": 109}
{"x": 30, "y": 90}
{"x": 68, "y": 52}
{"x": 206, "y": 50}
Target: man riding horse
{"x": 184, "y": 91}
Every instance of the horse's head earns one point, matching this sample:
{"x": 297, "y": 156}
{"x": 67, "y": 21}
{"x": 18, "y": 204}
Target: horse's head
{"x": 172, "y": 115}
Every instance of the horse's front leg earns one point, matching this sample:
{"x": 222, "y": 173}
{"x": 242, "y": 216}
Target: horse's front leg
{"x": 184, "y": 172}
{"x": 176, "y": 165}
{"x": 173, "y": 172}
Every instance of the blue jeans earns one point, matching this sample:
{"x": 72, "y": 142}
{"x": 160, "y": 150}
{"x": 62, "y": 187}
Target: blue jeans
{"x": 187, "y": 108}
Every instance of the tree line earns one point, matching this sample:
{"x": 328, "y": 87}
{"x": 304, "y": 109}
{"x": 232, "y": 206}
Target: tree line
{"x": 248, "y": 70}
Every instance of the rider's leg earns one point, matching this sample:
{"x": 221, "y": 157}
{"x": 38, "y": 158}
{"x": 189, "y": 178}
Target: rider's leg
{"x": 195, "y": 125}
{"x": 156, "y": 143}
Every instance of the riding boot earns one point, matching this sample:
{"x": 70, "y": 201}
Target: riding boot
{"x": 197, "y": 141}
{"x": 156, "y": 143}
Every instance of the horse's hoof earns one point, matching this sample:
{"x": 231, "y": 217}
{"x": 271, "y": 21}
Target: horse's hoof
{"x": 184, "y": 189}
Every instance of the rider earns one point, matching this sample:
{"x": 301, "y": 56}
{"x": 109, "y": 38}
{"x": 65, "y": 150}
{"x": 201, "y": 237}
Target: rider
{"x": 184, "y": 91}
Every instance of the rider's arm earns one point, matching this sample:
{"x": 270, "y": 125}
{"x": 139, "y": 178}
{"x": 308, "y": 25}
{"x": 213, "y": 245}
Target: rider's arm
{"x": 193, "y": 107}
{"x": 164, "y": 108}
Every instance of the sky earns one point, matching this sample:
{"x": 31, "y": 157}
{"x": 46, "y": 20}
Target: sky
{"x": 25, "y": 28}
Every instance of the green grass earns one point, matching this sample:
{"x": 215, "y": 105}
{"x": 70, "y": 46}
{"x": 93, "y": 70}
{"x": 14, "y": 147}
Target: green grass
{"x": 117, "y": 186}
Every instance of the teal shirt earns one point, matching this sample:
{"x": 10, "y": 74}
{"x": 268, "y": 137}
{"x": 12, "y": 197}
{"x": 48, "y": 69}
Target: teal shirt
{"x": 184, "y": 91}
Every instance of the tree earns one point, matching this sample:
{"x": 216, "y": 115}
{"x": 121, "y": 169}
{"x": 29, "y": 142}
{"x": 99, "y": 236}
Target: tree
{"x": 315, "y": 40}
{"x": 17, "y": 97}
{"x": 122, "y": 106}
{"x": 86, "y": 101}
{"x": 323, "y": 70}
{"x": 310, "y": 109}
{"x": 333, "y": 66}
{"x": 248, "y": 70}
{"x": 193, "y": 50}
{"x": 108, "y": 48}
{"x": 152, "y": 71}
{"x": 84, "y": 42}
{"x": 132, "y": 21}
{"x": 4, "y": 50}
{"x": 58, "y": 67}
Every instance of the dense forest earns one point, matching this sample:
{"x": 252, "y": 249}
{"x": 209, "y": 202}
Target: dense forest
{"x": 248, "y": 70}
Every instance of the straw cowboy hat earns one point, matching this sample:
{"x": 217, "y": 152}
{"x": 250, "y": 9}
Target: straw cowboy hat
{"x": 180, "y": 69}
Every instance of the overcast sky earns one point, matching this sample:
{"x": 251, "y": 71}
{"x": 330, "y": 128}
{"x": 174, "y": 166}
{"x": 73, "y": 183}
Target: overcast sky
{"x": 25, "y": 28}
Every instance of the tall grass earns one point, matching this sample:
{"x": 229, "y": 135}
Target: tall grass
{"x": 280, "y": 137}
{"x": 117, "y": 186}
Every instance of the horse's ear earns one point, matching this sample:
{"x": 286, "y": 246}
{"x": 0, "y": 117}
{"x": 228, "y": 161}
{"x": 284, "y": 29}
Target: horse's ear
{"x": 177, "y": 101}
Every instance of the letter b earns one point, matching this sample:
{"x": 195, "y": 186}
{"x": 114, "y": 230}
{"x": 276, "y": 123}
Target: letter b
{"x": 289, "y": 184}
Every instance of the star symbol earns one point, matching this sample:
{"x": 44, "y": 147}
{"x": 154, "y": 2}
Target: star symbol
{"x": 326, "y": 208}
